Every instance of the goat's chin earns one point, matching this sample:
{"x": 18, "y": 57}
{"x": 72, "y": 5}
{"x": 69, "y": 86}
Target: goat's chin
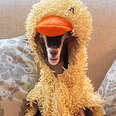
{"x": 53, "y": 61}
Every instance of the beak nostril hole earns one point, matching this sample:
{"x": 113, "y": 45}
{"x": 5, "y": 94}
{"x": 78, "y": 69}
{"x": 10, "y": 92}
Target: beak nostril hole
{"x": 71, "y": 10}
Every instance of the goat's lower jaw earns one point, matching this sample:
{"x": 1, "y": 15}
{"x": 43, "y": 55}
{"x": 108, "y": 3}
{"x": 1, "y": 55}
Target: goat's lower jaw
{"x": 53, "y": 61}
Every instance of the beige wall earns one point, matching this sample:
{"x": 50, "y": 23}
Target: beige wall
{"x": 102, "y": 47}
{"x": 12, "y": 16}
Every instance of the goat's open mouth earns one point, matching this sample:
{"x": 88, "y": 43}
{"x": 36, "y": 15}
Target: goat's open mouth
{"x": 53, "y": 59}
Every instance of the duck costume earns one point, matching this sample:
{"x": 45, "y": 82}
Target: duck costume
{"x": 72, "y": 90}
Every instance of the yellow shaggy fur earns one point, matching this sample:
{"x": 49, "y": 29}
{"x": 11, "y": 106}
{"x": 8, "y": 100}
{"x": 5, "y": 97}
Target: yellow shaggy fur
{"x": 71, "y": 90}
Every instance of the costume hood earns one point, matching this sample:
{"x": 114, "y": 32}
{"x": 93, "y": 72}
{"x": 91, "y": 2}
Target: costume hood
{"x": 72, "y": 89}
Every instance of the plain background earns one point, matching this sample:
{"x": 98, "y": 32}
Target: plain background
{"x": 102, "y": 47}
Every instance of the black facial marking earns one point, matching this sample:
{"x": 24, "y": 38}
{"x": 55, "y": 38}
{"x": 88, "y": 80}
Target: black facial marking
{"x": 64, "y": 54}
{"x": 54, "y": 41}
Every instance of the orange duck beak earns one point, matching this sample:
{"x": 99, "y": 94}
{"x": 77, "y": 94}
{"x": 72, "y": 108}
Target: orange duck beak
{"x": 53, "y": 26}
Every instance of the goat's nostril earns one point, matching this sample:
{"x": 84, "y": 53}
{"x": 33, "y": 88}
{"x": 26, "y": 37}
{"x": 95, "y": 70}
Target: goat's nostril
{"x": 53, "y": 53}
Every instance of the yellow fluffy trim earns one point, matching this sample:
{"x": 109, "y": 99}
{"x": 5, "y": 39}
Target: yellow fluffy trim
{"x": 72, "y": 90}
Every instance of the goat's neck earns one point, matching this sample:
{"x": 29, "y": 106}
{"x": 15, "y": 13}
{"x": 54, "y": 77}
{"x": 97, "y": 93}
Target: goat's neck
{"x": 57, "y": 69}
